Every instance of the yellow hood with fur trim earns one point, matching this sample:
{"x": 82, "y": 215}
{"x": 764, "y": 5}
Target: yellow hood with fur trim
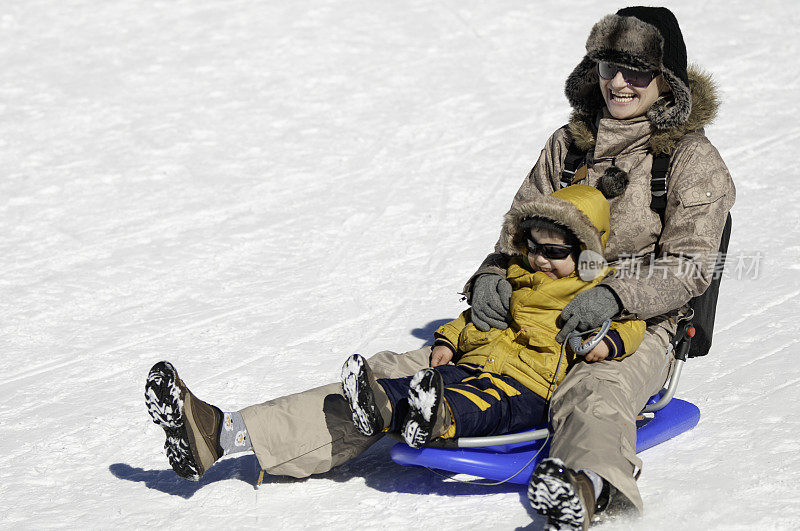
{"x": 582, "y": 209}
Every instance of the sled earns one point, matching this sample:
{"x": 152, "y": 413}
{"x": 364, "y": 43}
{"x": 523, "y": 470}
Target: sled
{"x": 513, "y": 457}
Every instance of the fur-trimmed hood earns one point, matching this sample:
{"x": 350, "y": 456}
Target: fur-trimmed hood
{"x": 582, "y": 209}
{"x": 703, "y": 92}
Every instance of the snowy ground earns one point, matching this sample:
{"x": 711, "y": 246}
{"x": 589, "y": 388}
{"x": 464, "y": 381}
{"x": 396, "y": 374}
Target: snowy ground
{"x": 254, "y": 190}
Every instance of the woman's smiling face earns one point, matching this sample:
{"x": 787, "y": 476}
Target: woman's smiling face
{"x": 626, "y": 101}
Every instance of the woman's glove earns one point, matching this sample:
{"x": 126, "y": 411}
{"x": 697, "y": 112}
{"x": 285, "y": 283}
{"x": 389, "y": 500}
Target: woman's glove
{"x": 491, "y": 300}
{"x": 587, "y": 310}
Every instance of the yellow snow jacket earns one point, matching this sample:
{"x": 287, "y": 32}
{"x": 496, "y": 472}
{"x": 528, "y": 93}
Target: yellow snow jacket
{"x": 527, "y": 350}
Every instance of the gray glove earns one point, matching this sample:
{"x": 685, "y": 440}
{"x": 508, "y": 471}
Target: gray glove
{"x": 587, "y": 310}
{"x": 491, "y": 300}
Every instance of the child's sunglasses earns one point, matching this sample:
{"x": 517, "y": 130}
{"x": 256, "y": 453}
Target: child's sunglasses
{"x": 634, "y": 78}
{"x": 551, "y": 251}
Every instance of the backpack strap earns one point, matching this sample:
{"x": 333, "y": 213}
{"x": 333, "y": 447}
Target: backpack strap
{"x": 658, "y": 184}
{"x": 574, "y": 160}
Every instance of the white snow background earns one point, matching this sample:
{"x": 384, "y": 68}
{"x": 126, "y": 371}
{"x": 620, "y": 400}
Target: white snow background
{"x": 254, "y": 190}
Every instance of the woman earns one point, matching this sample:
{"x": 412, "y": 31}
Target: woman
{"x": 632, "y": 98}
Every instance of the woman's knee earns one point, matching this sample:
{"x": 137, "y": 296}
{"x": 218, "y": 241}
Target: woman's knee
{"x": 594, "y": 395}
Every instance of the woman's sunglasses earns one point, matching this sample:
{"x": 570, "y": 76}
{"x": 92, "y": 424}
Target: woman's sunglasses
{"x": 551, "y": 251}
{"x": 634, "y": 78}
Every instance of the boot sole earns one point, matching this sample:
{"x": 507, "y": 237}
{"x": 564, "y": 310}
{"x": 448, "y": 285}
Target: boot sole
{"x": 162, "y": 397}
{"x": 355, "y": 387}
{"x": 424, "y": 398}
{"x": 552, "y": 495}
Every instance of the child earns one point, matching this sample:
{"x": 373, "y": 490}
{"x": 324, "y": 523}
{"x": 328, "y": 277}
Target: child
{"x": 502, "y": 379}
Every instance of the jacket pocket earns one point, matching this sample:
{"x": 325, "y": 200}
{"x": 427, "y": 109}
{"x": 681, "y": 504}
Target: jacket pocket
{"x": 700, "y": 194}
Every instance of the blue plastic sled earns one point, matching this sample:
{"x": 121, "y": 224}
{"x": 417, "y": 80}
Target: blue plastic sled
{"x": 511, "y": 461}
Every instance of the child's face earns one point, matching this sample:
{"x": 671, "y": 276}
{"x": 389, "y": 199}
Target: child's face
{"x": 552, "y": 267}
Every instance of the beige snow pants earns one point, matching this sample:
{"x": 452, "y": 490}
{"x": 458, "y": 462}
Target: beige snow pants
{"x": 593, "y": 412}
{"x": 311, "y": 432}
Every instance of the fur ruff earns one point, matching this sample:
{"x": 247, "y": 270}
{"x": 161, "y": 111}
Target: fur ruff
{"x": 630, "y": 42}
{"x": 512, "y": 237}
{"x": 704, "y": 109}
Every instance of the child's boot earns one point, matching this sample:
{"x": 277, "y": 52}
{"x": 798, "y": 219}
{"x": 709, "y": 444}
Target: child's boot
{"x": 368, "y": 402}
{"x": 427, "y": 417}
{"x": 564, "y": 496}
{"x": 191, "y": 425}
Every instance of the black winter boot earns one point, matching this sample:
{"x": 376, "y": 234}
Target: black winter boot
{"x": 426, "y": 416}
{"x": 564, "y": 496}
{"x": 359, "y": 387}
{"x": 191, "y": 425}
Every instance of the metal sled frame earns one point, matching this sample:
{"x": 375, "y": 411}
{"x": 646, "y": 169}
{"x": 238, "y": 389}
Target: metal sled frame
{"x": 513, "y": 457}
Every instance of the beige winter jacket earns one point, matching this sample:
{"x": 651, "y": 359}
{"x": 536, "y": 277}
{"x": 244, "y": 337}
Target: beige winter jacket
{"x": 700, "y": 194}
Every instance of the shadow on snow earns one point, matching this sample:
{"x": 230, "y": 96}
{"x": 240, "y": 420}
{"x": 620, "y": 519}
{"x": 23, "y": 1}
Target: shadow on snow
{"x": 374, "y": 465}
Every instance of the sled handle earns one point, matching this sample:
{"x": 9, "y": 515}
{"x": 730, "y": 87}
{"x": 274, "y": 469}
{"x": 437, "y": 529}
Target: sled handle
{"x": 509, "y": 438}
{"x": 580, "y": 348}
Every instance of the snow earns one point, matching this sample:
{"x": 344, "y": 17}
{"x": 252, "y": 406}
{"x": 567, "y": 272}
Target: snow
{"x": 255, "y": 190}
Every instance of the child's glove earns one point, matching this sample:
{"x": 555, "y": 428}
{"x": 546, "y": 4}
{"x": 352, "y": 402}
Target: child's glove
{"x": 491, "y": 300}
{"x": 587, "y": 310}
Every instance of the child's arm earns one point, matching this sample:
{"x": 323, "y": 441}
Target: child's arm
{"x": 446, "y": 340}
{"x": 631, "y": 334}
{"x": 622, "y": 340}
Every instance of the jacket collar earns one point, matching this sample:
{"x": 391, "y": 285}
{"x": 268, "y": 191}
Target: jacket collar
{"x": 618, "y": 137}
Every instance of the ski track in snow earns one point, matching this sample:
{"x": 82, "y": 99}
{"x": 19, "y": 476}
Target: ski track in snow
{"x": 759, "y": 311}
{"x": 255, "y": 191}
{"x": 37, "y": 370}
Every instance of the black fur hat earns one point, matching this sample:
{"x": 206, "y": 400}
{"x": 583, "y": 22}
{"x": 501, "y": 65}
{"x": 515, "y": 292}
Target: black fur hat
{"x": 643, "y": 38}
